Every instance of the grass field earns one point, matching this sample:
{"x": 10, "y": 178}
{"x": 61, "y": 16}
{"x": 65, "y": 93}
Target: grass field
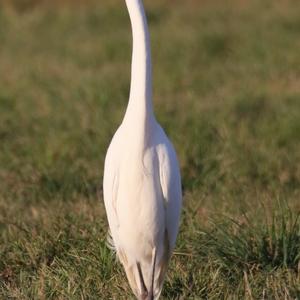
{"x": 227, "y": 92}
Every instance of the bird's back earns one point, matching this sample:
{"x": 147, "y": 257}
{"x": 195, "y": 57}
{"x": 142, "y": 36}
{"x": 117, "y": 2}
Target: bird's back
{"x": 136, "y": 187}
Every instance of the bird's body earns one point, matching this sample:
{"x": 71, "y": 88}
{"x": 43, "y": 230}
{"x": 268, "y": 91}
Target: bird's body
{"x": 142, "y": 186}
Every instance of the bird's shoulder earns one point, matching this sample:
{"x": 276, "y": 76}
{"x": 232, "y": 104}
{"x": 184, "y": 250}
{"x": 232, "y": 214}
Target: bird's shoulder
{"x": 164, "y": 148}
{"x": 115, "y": 147}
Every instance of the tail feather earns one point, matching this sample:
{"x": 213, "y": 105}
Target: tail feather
{"x": 130, "y": 272}
{"x": 140, "y": 277}
{"x": 162, "y": 267}
{"x": 110, "y": 242}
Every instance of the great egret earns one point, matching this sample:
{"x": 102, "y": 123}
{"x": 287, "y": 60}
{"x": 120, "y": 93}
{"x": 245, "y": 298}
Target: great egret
{"x": 142, "y": 185}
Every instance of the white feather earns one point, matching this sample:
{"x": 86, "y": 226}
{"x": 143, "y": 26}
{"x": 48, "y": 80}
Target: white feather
{"x": 142, "y": 186}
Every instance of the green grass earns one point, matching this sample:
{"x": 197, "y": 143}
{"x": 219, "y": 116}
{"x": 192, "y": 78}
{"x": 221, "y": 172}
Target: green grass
{"x": 227, "y": 91}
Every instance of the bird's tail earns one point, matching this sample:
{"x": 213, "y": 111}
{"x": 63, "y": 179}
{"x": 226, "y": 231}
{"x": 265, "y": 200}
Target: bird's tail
{"x": 146, "y": 281}
{"x": 110, "y": 242}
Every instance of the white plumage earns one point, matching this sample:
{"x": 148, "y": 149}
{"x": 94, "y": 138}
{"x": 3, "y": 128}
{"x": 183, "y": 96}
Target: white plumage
{"x": 142, "y": 186}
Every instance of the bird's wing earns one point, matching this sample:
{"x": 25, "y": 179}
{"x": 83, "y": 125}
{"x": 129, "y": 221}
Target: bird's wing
{"x": 171, "y": 188}
{"x": 170, "y": 182}
{"x": 110, "y": 192}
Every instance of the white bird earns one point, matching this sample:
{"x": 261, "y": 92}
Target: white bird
{"x": 142, "y": 185}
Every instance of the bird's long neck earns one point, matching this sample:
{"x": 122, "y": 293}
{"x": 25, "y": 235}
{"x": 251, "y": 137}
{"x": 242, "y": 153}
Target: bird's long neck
{"x": 140, "y": 110}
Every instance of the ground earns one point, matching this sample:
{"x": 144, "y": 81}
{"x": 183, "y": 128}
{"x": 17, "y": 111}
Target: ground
{"x": 227, "y": 92}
